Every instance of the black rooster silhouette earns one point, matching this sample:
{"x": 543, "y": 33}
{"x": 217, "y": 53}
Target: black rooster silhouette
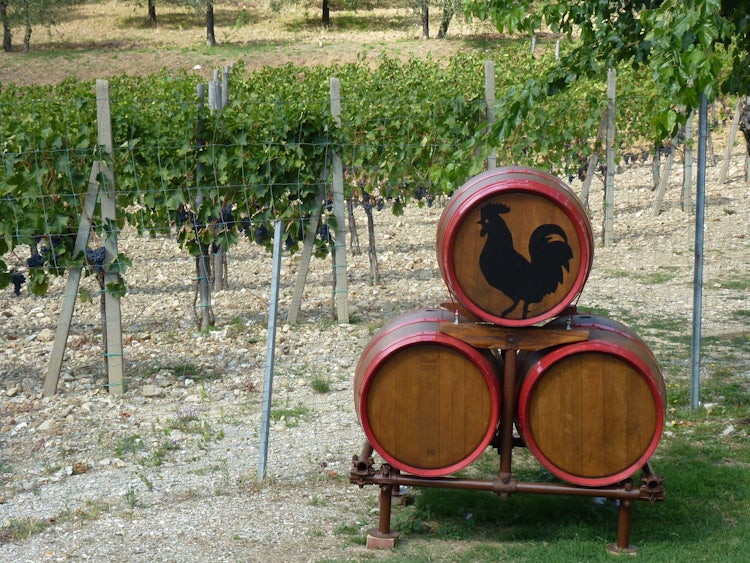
{"x": 510, "y": 272}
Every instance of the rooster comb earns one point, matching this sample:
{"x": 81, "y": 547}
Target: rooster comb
{"x": 495, "y": 208}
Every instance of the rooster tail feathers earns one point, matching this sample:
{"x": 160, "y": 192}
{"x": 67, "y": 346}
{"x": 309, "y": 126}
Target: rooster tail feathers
{"x": 546, "y": 236}
{"x": 549, "y": 251}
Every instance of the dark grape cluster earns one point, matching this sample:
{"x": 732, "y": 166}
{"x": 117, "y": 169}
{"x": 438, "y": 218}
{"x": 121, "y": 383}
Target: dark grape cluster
{"x": 227, "y": 215}
{"x": 261, "y": 234}
{"x": 423, "y": 192}
{"x": 95, "y": 259}
{"x": 18, "y": 280}
{"x": 36, "y": 260}
{"x": 325, "y": 234}
{"x": 48, "y": 253}
{"x": 183, "y": 215}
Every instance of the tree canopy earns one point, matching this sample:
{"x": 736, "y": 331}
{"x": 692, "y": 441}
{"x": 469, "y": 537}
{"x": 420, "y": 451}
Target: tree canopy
{"x": 691, "y": 47}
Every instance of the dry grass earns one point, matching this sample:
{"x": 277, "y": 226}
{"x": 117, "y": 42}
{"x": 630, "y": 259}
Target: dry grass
{"x": 113, "y": 37}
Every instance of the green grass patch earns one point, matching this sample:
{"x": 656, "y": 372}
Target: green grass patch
{"x": 21, "y": 529}
{"x": 129, "y": 445}
{"x": 320, "y": 384}
{"x": 736, "y": 284}
{"x": 290, "y": 415}
{"x": 663, "y": 275}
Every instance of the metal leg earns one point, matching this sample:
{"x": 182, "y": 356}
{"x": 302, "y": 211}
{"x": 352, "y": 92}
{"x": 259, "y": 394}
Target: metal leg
{"x": 623, "y": 545}
{"x": 509, "y": 408}
{"x": 383, "y": 537}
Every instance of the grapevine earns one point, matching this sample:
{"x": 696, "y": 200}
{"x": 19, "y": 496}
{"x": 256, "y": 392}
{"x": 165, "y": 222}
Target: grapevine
{"x": 410, "y": 131}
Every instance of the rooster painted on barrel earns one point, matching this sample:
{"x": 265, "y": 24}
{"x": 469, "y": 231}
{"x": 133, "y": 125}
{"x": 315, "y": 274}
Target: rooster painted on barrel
{"x": 519, "y": 278}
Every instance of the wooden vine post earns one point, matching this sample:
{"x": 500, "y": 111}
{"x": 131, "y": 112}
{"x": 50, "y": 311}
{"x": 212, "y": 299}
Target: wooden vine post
{"x": 609, "y": 185}
{"x": 308, "y": 246}
{"x": 217, "y": 99}
{"x": 204, "y": 316}
{"x": 102, "y": 187}
{"x": 663, "y": 181}
{"x": 489, "y": 95}
{"x": 687, "y": 177}
{"x": 730, "y": 143}
{"x": 340, "y": 289}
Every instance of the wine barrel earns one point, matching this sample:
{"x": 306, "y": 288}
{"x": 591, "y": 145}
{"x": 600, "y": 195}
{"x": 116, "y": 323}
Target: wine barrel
{"x": 514, "y": 246}
{"x": 592, "y": 412}
{"x": 428, "y": 402}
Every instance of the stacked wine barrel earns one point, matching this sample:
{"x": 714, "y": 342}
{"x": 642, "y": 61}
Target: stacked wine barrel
{"x": 515, "y": 248}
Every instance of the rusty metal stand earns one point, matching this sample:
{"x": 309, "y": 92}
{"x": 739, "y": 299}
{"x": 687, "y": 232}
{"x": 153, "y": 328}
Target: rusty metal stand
{"x": 509, "y": 342}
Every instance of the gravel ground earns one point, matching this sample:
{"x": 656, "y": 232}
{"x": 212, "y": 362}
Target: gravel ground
{"x": 168, "y": 471}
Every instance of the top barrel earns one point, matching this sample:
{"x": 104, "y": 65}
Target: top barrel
{"x": 515, "y": 246}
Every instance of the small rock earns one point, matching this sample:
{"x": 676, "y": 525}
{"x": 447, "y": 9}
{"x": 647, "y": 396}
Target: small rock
{"x": 80, "y": 467}
{"x": 47, "y": 425}
{"x": 13, "y": 391}
{"x": 46, "y": 335}
{"x": 152, "y": 391}
{"x": 28, "y": 384}
{"x": 161, "y": 380}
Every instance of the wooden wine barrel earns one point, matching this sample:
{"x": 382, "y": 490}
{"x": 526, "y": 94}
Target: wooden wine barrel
{"x": 428, "y": 402}
{"x": 592, "y": 412}
{"x": 514, "y": 246}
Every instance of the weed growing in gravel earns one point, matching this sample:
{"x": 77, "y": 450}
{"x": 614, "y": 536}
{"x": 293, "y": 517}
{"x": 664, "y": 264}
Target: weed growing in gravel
{"x": 229, "y": 419}
{"x": 736, "y": 284}
{"x": 290, "y": 416}
{"x": 131, "y": 497}
{"x": 92, "y": 509}
{"x": 145, "y": 480}
{"x": 320, "y": 384}
{"x": 161, "y": 451}
{"x": 20, "y": 529}
{"x": 315, "y": 500}
{"x": 129, "y": 445}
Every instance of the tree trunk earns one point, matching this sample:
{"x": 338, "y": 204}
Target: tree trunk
{"x": 27, "y": 18}
{"x": 7, "y": 37}
{"x": 425, "y": 19}
{"x": 656, "y": 168}
{"x": 152, "y": 12}
{"x": 210, "y": 34}
{"x": 354, "y": 237}
{"x": 445, "y": 20}
{"x": 373, "y": 254}
{"x": 326, "y": 16}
